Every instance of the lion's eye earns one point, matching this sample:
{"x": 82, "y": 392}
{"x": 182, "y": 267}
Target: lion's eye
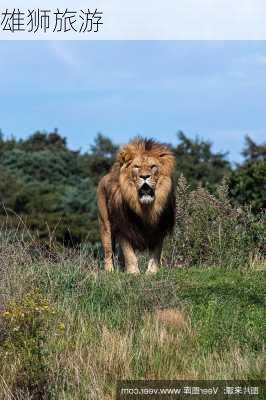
{"x": 154, "y": 167}
{"x": 136, "y": 166}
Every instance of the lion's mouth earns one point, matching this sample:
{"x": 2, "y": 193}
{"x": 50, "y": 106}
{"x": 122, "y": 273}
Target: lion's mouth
{"x": 146, "y": 194}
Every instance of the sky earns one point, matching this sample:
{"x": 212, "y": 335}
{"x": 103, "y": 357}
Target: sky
{"x": 213, "y": 89}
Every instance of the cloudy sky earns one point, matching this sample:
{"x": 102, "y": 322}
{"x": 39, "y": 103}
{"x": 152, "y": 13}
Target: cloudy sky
{"x": 216, "y": 90}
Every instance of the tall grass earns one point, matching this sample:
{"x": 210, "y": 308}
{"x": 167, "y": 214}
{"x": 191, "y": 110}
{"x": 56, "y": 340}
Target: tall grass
{"x": 180, "y": 324}
{"x": 212, "y": 231}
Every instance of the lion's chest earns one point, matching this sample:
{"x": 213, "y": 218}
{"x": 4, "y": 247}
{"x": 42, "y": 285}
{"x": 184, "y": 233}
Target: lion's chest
{"x": 140, "y": 233}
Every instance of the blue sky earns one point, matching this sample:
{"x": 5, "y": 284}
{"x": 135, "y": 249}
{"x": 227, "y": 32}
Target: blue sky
{"x": 214, "y": 89}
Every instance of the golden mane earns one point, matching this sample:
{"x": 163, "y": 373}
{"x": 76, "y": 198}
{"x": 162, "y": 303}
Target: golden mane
{"x": 149, "y": 148}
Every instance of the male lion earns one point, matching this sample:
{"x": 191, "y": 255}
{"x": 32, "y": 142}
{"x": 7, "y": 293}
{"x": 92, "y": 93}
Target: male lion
{"x": 136, "y": 203}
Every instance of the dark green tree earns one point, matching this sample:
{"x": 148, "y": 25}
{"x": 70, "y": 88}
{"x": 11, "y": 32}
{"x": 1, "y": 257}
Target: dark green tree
{"x": 196, "y": 160}
{"x": 101, "y": 156}
{"x": 253, "y": 151}
{"x": 50, "y": 185}
{"x": 248, "y": 181}
{"x": 10, "y": 189}
{"x": 42, "y": 140}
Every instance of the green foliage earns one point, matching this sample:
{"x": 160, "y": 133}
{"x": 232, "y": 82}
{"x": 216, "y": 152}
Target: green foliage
{"x": 211, "y": 231}
{"x": 248, "y": 184}
{"x": 79, "y": 198}
{"x": 248, "y": 181}
{"x": 25, "y": 326}
{"x": 69, "y": 230}
{"x": 10, "y": 188}
{"x": 196, "y": 160}
{"x": 42, "y": 141}
{"x": 52, "y": 186}
{"x": 254, "y": 151}
{"x": 101, "y": 157}
{"x": 43, "y": 165}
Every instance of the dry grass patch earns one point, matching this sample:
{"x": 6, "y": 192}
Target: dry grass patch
{"x": 171, "y": 317}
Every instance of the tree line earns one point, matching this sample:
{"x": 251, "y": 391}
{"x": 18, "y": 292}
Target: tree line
{"x": 53, "y": 188}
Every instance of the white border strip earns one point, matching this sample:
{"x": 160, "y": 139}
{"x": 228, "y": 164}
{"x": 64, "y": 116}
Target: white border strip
{"x": 150, "y": 19}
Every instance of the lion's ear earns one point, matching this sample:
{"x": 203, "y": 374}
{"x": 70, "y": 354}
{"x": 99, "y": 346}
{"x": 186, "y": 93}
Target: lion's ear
{"x": 168, "y": 160}
{"x": 164, "y": 154}
{"x": 124, "y": 155}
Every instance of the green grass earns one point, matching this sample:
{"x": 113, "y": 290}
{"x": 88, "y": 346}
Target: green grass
{"x": 207, "y": 323}
{"x": 222, "y": 304}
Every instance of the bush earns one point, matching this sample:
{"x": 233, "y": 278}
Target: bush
{"x": 25, "y": 325}
{"x": 10, "y": 188}
{"x": 211, "y": 231}
{"x": 248, "y": 184}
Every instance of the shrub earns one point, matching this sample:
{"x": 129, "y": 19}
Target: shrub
{"x": 211, "y": 231}
{"x": 248, "y": 184}
{"x": 25, "y": 325}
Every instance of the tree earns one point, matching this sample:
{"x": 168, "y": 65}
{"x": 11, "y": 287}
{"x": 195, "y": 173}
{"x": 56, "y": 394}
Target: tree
{"x": 101, "y": 157}
{"x": 248, "y": 181}
{"x": 196, "y": 160}
{"x": 49, "y": 185}
{"x": 43, "y": 140}
{"x": 10, "y": 188}
{"x": 254, "y": 151}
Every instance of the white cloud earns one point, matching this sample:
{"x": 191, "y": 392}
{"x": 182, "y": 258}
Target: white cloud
{"x": 65, "y": 55}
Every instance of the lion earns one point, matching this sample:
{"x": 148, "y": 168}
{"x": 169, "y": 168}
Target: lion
{"x": 136, "y": 203}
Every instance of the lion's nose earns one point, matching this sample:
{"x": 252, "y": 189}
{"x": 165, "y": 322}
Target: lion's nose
{"x": 145, "y": 177}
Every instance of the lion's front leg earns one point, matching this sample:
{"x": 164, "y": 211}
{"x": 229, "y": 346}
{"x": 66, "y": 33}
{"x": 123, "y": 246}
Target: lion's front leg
{"x": 131, "y": 261}
{"x": 155, "y": 259}
{"x": 105, "y": 228}
{"x": 107, "y": 247}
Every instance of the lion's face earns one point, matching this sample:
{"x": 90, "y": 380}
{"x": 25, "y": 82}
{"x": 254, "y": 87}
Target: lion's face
{"x": 145, "y": 173}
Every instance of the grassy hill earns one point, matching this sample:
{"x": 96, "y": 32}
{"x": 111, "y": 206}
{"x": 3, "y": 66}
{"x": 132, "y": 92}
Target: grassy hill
{"x": 70, "y": 331}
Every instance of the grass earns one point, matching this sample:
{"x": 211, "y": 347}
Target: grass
{"x": 183, "y": 323}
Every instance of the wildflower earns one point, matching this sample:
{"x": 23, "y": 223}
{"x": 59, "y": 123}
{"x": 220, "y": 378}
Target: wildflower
{"x": 16, "y": 328}
{"x": 6, "y": 314}
{"x": 61, "y": 326}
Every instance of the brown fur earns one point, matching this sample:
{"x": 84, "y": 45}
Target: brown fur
{"x": 122, "y": 216}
